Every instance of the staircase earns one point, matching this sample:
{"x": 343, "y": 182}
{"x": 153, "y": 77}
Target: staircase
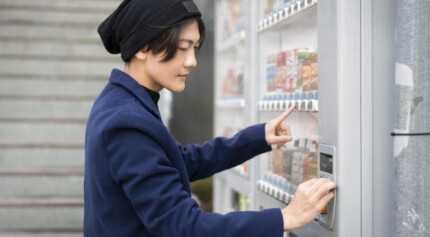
{"x": 52, "y": 67}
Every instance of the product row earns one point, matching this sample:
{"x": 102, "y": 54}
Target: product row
{"x": 292, "y": 71}
{"x": 295, "y": 165}
{"x": 286, "y": 170}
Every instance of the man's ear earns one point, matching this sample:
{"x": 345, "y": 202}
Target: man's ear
{"x": 141, "y": 55}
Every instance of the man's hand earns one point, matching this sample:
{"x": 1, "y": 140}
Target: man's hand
{"x": 310, "y": 198}
{"x": 278, "y": 133}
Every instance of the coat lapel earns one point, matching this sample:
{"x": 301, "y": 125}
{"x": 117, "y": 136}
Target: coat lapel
{"x": 123, "y": 80}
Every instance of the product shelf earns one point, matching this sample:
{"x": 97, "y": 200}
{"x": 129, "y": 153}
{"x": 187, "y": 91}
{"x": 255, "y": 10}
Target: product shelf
{"x": 230, "y": 103}
{"x": 291, "y": 13}
{"x": 234, "y": 40}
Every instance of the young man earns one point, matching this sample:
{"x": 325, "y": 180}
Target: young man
{"x": 136, "y": 175}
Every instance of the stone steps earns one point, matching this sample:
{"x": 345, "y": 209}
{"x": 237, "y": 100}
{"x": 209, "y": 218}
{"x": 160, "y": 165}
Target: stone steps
{"x": 83, "y": 67}
{"x": 47, "y": 32}
{"x": 40, "y": 16}
{"x": 77, "y": 6}
{"x": 43, "y": 109}
{"x": 46, "y": 50}
{"x": 27, "y": 182}
{"x": 41, "y": 157}
{"x": 39, "y": 219}
{"x": 27, "y": 132}
{"x": 41, "y": 234}
{"x": 50, "y": 88}
{"x": 41, "y": 171}
{"x": 52, "y": 67}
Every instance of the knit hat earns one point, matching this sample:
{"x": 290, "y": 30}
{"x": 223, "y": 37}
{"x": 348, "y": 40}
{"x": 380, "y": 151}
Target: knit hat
{"x": 136, "y": 22}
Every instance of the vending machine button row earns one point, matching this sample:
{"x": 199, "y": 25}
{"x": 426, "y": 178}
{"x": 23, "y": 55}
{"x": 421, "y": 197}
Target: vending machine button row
{"x": 326, "y": 176}
{"x": 287, "y": 197}
{"x": 275, "y": 190}
{"x": 240, "y": 170}
{"x": 259, "y": 184}
{"x": 281, "y": 105}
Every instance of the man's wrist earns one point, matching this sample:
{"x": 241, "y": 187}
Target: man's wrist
{"x": 289, "y": 223}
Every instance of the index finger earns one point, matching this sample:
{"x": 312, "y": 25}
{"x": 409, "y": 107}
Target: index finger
{"x": 285, "y": 114}
{"x": 325, "y": 187}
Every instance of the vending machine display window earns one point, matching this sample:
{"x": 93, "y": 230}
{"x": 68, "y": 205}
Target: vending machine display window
{"x": 231, "y": 85}
{"x": 288, "y": 72}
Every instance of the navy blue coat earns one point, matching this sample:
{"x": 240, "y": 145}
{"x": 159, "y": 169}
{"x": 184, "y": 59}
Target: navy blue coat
{"x": 137, "y": 177}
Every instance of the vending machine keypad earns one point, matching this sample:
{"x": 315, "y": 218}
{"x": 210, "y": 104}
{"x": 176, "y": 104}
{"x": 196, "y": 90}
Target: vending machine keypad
{"x": 326, "y": 169}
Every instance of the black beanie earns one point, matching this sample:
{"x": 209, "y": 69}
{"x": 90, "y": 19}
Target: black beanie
{"x": 136, "y": 22}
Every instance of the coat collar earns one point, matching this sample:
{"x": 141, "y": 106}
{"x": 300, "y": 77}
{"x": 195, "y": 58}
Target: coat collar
{"x": 125, "y": 81}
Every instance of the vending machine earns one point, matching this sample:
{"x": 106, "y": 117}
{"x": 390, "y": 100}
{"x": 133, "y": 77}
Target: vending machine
{"x": 333, "y": 60}
{"x": 231, "y": 97}
{"x": 289, "y": 42}
{"x": 322, "y": 56}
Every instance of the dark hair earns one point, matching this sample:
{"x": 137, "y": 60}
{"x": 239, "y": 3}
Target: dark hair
{"x": 168, "y": 42}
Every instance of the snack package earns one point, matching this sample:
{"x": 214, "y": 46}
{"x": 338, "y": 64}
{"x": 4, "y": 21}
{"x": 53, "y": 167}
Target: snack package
{"x": 291, "y": 70}
{"x": 310, "y": 167}
{"x": 276, "y": 161}
{"x": 310, "y": 83}
{"x": 304, "y": 69}
{"x": 287, "y": 164}
{"x": 297, "y": 167}
{"x": 281, "y": 72}
{"x": 271, "y": 73}
{"x": 232, "y": 83}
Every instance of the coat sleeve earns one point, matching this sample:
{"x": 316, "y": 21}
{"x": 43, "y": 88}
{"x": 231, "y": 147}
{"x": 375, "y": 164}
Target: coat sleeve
{"x": 138, "y": 163}
{"x": 222, "y": 153}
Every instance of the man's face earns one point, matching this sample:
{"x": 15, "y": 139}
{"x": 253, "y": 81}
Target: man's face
{"x": 173, "y": 73}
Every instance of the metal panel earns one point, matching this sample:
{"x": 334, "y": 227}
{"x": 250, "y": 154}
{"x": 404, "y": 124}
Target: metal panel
{"x": 349, "y": 119}
{"x": 367, "y": 125}
{"x": 328, "y": 86}
{"x": 383, "y": 39}
{"x": 340, "y": 104}
{"x": 327, "y": 59}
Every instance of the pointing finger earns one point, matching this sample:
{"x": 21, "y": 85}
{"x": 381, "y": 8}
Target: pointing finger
{"x": 285, "y": 114}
